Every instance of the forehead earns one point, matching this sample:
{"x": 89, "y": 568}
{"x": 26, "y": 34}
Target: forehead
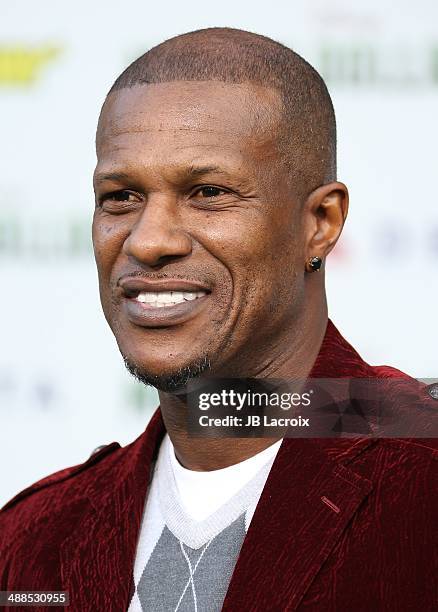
{"x": 182, "y": 119}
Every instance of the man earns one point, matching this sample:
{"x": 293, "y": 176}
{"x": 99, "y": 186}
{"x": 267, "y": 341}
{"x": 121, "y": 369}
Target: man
{"x": 217, "y": 205}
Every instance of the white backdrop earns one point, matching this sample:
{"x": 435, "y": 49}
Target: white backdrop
{"x": 63, "y": 387}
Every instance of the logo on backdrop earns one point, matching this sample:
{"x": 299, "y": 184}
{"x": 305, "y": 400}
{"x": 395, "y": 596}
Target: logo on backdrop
{"x": 22, "y": 65}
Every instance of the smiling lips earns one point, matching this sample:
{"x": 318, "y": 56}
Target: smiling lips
{"x": 159, "y": 303}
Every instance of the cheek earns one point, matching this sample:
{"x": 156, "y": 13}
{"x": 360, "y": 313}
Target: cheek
{"x": 262, "y": 253}
{"x": 108, "y": 239}
{"x": 260, "y": 246}
{"x": 238, "y": 237}
{"x": 276, "y": 282}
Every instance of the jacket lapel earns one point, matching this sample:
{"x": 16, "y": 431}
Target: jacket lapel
{"x": 308, "y": 500}
{"x": 306, "y": 504}
{"x": 97, "y": 560}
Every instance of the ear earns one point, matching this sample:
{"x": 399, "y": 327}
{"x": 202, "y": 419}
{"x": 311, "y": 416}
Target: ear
{"x": 325, "y": 211}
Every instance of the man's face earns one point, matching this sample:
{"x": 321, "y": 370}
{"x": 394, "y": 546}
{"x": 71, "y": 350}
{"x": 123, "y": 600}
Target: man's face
{"x": 197, "y": 235}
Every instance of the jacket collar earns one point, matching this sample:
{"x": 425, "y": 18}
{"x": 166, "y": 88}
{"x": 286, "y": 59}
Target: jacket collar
{"x": 309, "y": 498}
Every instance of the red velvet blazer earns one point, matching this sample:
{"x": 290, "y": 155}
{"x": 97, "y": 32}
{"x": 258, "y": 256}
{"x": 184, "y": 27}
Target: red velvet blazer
{"x": 342, "y": 525}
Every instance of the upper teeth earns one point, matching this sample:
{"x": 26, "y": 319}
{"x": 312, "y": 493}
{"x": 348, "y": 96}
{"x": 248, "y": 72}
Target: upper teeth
{"x": 158, "y": 299}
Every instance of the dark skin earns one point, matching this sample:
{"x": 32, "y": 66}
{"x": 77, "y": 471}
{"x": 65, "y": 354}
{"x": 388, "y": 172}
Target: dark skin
{"x": 203, "y": 195}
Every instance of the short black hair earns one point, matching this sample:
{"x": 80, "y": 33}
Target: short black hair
{"x": 307, "y": 135}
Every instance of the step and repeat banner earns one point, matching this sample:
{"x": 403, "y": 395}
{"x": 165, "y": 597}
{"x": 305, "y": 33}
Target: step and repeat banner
{"x": 63, "y": 386}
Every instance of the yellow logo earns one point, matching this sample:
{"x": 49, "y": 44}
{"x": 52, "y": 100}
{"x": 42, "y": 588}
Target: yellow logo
{"x": 21, "y": 66}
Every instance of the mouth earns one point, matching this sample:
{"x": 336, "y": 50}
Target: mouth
{"x": 166, "y": 299}
{"x": 151, "y": 303}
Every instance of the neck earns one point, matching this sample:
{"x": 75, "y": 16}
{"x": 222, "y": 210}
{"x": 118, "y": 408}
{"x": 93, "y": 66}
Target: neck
{"x": 292, "y": 356}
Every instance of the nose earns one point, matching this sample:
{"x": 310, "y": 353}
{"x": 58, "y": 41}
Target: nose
{"x": 157, "y": 234}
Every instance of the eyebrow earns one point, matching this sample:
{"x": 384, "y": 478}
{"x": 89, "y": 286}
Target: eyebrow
{"x": 191, "y": 172}
{"x": 198, "y": 171}
{"x": 111, "y": 176}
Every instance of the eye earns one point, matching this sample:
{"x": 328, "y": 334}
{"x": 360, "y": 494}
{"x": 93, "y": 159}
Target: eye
{"x": 209, "y": 191}
{"x": 118, "y": 196}
{"x": 118, "y": 201}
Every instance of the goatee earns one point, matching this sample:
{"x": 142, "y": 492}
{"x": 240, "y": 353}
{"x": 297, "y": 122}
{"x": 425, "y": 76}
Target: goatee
{"x": 173, "y": 382}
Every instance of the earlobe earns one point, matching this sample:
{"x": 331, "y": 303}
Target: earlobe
{"x": 325, "y": 212}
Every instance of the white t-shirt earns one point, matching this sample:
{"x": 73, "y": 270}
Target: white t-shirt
{"x": 202, "y": 493}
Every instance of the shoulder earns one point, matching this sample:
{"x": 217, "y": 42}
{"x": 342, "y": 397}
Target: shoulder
{"x": 409, "y": 452}
{"x": 403, "y": 407}
{"x": 56, "y": 490}
{"x": 96, "y": 457}
{"x": 405, "y": 462}
{"x": 88, "y": 482}
{"x": 404, "y": 476}
{"x": 404, "y": 411}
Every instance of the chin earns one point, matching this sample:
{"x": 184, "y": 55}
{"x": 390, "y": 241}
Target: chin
{"x": 169, "y": 380}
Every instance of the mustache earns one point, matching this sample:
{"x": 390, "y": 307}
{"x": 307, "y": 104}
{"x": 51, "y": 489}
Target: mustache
{"x": 158, "y": 275}
{"x": 202, "y": 278}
